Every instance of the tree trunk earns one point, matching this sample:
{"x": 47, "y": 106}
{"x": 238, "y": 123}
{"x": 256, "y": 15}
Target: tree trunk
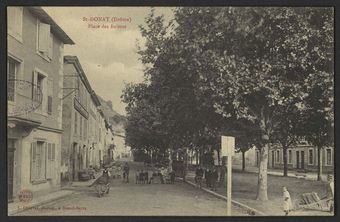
{"x": 170, "y": 159}
{"x": 285, "y": 163}
{"x": 243, "y": 160}
{"x": 201, "y": 156}
{"x": 319, "y": 164}
{"x": 262, "y": 193}
{"x": 219, "y": 156}
{"x": 196, "y": 156}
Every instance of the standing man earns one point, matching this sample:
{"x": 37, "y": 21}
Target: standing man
{"x": 126, "y": 170}
{"x": 214, "y": 178}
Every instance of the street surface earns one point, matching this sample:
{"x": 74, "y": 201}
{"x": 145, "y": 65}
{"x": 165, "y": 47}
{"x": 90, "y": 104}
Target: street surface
{"x": 132, "y": 199}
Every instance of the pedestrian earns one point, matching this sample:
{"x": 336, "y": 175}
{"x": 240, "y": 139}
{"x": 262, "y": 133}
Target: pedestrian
{"x": 287, "y": 202}
{"x": 214, "y": 178}
{"x": 222, "y": 175}
{"x": 207, "y": 177}
{"x": 172, "y": 177}
{"x": 137, "y": 177}
{"x": 163, "y": 173}
{"x": 199, "y": 175}
{"x": 146, "y": 177}
{"x": 126, "y": 170}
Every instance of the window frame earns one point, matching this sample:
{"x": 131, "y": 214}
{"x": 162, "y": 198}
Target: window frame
{"x": 289, "y": 156}
{"x": 277, "y": 156}
{"x": 313, "y": 156}
{"x": 43, "y": 110}
{"x": 331, "y": 159}
{"x": 45, "y": 56}
{"x": 41, "y": 178}
{"x": 15, "y": 77}
{"x": 13, "y": 33}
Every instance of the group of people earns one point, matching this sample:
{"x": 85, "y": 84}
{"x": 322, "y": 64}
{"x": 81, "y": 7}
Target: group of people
{"x": 212, "y": 175}
{"x": 164, "y": 175}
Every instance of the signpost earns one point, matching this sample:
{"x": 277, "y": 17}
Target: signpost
{"x": 228, "y": 149}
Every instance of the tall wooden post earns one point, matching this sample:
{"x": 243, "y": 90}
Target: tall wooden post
{"x": 229, "y": 166}
{"x": 228, "y": 150}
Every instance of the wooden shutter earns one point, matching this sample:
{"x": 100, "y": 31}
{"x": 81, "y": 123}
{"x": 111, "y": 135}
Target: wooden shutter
{"x": 52, "y": 158}
{"x": 48, "y": 159}
{"x": 11, "y": 18}
{"x": 18, "y": 20}
{"x": 43, "y": 37}
{"x": 33, "y": 161}
{"x": 49, "y": 95}
{"x": 50, "y": 46}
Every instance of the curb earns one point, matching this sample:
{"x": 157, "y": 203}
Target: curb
{"x": 251, "y": 211}
{"x": 279, "y": 175}
{"x": 18, "y": 210}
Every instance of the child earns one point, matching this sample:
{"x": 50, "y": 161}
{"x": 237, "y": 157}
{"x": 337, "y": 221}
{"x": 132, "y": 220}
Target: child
{"x": 287, "y": 202}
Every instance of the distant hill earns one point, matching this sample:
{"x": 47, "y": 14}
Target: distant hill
{"x": 117, "y": 120}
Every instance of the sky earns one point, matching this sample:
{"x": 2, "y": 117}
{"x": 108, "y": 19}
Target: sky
{"x": 107, "y": 55}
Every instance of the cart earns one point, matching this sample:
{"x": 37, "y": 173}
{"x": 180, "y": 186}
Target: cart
{"x": 312, "y": 201}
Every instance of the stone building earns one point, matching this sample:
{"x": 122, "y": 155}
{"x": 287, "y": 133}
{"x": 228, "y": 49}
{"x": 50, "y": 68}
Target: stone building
{"x": 34, "y": 79}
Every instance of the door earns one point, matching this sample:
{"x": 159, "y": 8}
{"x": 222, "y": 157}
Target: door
{"x": 10, "y": 168}
{"x": 302, "y": 159}
{"x": 297, "y": 159}
{"x": 273, "y": 159}
{"x": 73, "y": 161}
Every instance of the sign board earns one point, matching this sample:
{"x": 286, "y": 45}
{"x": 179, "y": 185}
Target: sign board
{"x": 228, "y": 146}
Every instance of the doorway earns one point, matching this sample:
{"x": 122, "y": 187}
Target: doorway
{"x": 10, "y": 168}
{"x": 302, "y": 159}
{"x": 297, "y": 159}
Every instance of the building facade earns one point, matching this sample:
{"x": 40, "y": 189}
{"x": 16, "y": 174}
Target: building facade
{"x": 83, "y": 122}
{"x": 34, "y": 80}
{"x": 76, "y": 99}
{"x": 302, "y": 157}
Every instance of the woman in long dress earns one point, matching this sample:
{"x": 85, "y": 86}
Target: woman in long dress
{"x": 287, "y": 201}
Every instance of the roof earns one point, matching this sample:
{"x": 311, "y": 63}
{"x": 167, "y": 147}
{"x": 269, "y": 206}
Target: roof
{"x": 74, "y": 60}
{"x": 55, "y": 28}
{"x": 95, "y": 98}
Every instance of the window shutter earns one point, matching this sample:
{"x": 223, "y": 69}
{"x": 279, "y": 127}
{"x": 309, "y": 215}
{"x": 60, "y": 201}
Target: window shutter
{"x": 43, "y": 38}
{"x": 52, "y": 158}
{"x": 49, "y": 95}
{"x": 49, "y": 105}
{"x": 50, "y": 46}
{"x": 11, "y": 18}
{"x": 48, "y": 159}
{"x": 18, "y": 21}
{"x": 33, "y": 161}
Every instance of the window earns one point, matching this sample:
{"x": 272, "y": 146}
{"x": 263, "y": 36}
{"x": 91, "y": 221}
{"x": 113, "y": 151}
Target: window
{"x": 12, "y": 70}
{"x": 40, "y": 85}
{"x": 278, "y": 156}
{"x": 75, "y": 122}
{"x": 289, "y": 156}
{"x": 45, "y": 40}
{"x": 329, "y": 157}
{"x": 39, "y": 89}
{"x": 49, "y": 95}
{"x": 38, "y": 164}
{"x": 310, "y": 156}
{"x": 14, "y": 19}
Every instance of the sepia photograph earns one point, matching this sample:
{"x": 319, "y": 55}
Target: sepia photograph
{"x": 170, "y": 111}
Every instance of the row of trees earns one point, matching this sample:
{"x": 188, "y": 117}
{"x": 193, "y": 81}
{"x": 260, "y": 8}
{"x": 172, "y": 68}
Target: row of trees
{"x": 263, "y": 75}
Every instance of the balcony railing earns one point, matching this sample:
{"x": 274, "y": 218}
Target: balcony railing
{"x": 23, "y": 97}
